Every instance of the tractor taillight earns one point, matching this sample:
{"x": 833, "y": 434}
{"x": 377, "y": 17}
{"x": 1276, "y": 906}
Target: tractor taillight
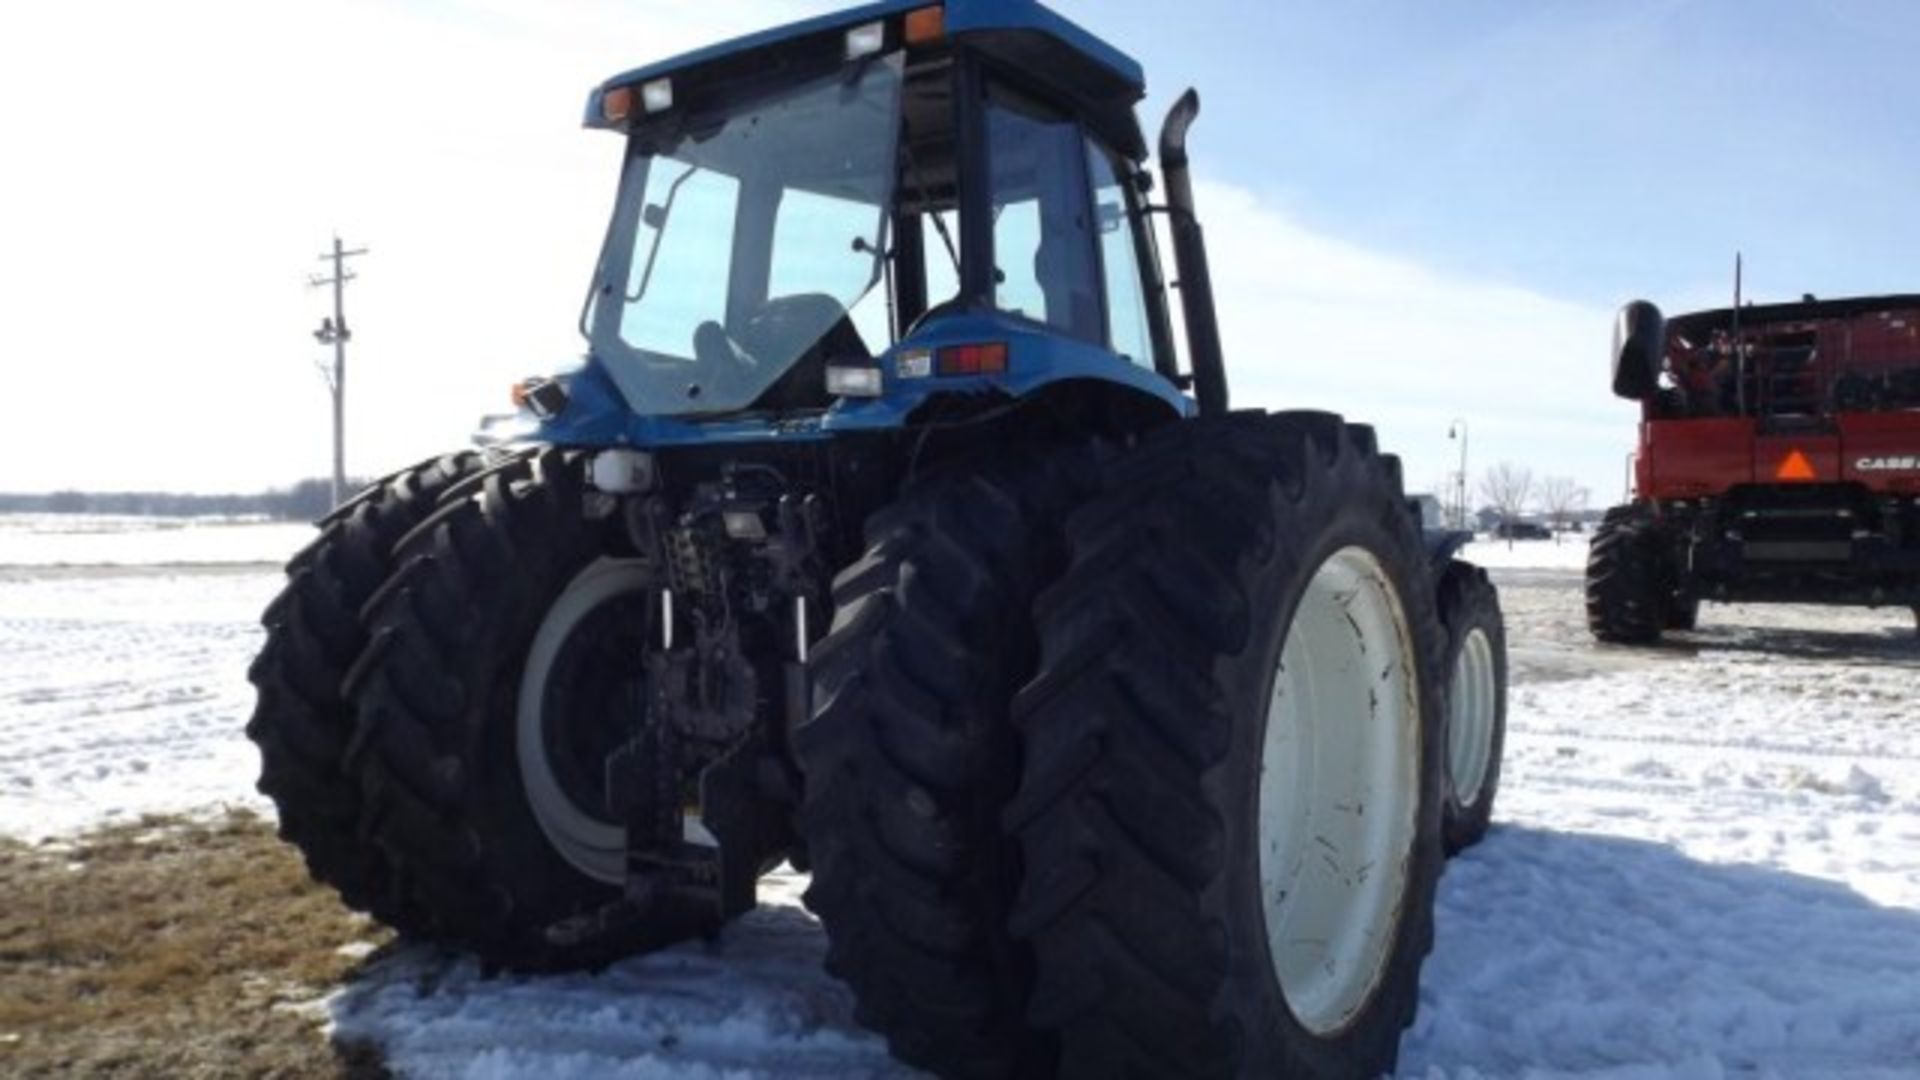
{"x": 989, "y": 359}
{"x": 927, "y": 25}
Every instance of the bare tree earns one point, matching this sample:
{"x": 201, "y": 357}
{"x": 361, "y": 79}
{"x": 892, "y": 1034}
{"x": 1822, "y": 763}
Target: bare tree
{"x": 1562, "y": 497}
{"x": 1507, "y": 487}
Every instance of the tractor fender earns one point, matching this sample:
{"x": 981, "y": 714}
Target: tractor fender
{"x": 1443, "y": 544}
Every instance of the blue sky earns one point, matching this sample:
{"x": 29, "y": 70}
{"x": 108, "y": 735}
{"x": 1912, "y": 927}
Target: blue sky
{"x": 1419, "y": 211}
{"x": 1591, "y": 150}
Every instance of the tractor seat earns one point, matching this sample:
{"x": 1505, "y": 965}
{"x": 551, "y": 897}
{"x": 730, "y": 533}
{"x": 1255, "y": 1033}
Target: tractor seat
{"x": 1066, "y": 282}
{"x": 819, "y": 329}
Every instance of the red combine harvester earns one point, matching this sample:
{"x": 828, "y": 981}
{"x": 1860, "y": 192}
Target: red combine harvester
{"x": 1779, "y": 462}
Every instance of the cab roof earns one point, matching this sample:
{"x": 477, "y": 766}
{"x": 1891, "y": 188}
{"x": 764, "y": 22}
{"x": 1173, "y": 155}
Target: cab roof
{"x": 962, "y": 17}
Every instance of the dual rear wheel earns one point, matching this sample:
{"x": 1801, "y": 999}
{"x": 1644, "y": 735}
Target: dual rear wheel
{"x": 909, "y": 759}
{"x": 1118, "y": 764}
{"x": 1230, "y": 807}
{"x": 488, "y": 656}
{"x": 302, "y": 722}
{"x": 1224, "y": 718}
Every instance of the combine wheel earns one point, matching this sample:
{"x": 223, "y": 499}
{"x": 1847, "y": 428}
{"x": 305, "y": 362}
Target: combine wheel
{"x": 300, "y": 722}
{"x": 1626, "y": 600}
{"x": 1230, "y": 805}
{"x": 505, "y": 664}
{"x": 909, "y": 760}
{"x": 1476, "y": 700}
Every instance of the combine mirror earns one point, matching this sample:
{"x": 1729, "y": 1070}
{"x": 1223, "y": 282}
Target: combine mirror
{"x": 1639, "y": 338}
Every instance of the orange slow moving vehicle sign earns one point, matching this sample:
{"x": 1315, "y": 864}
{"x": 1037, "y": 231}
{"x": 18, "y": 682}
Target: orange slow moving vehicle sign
{"x": 1796, "y": 459}
{"x": 1795, "y": 469}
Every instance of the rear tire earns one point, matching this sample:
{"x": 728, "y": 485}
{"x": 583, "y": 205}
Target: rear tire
{"x": 301, "y": 722}
{"x": 909, "y": 759}
{"x": 1476, "y": 702}
{"x": 1168, "y": 812}
{"x": 1627, "y": 599}
{"x": 490, "y": 844}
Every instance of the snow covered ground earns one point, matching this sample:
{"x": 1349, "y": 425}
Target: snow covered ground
{"x": 94, "y": 540}
{"x": 1568, "y": 552}
{"x": 1706, "y": 861}
{"x": 124, "y": 645}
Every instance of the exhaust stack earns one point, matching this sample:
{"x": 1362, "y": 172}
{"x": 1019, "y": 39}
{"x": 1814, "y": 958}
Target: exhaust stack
{"x": 1190, "y": 257}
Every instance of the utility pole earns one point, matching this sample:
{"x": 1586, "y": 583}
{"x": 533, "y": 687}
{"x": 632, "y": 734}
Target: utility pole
{"x": 1458, "y": 430}
{"x": 334, "y": 332}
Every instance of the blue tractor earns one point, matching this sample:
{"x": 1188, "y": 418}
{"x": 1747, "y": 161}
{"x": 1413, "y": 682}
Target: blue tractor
{"x": 883, "y": 531}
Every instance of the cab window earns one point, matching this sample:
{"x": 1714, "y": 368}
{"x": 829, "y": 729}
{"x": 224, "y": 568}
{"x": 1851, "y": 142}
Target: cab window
{"x": 1043, "y": 237}
{"x": 1128, "y": 331}
{"x": 822, "y": 248}
{"x": 701, "y": 205}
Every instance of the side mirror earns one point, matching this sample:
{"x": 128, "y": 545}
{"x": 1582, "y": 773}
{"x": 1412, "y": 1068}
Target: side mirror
{"x": 1639, "y": 341}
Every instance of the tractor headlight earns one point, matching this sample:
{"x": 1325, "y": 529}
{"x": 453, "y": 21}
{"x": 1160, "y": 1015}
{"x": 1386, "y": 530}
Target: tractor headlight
{"x": 657, "y": 95}
{"x": 866, "y": 40}
{"x": 854, "y": 382}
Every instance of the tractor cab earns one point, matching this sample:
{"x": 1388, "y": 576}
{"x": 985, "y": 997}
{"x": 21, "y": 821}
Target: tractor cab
{"x": 843, "y": 224}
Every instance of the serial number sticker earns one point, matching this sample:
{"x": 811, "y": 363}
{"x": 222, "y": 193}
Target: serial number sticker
{"x": 914, "y": 364}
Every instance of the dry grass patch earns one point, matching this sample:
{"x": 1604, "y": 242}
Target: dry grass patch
{"x": 171, "y": 948}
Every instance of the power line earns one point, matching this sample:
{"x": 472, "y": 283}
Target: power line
{"x": 333, "y": 331}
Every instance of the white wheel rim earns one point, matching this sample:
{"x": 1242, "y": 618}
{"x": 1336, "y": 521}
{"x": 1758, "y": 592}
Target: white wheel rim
{"x": 1470, "y": 725}
{"x": 591, "y": 844}
{"x": 1339, "y": 791}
